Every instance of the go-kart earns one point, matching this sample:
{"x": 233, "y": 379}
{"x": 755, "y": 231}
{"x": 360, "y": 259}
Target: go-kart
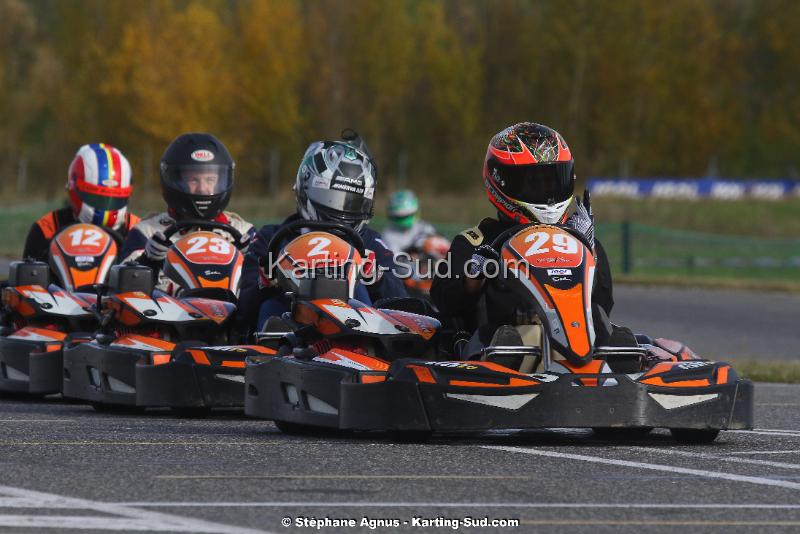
{"x": 39, "y": 317}
{"x": 420, "y": 264}
{"x": 142, "y": 358}
{"x": 545, "y": 371}
{"x": 328, "y": 337}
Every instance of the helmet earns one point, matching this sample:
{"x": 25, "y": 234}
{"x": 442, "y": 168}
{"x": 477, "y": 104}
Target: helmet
{"x": 528, "y": 173}
{"x": 197, "y": 176}
{"x": 99, "y": 185}
{"x": 336, "y": 182}
{"x": 403, "y": 209}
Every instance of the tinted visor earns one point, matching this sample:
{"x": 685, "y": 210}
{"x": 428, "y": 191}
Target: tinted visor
{"x": 540, "y": 183}
{"x": 102, "y": 202}
{"x": 199, "y": 179}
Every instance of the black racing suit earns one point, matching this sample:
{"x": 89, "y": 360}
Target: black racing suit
{"x": 454, "y": 302}
{"x": 42, "y": 232}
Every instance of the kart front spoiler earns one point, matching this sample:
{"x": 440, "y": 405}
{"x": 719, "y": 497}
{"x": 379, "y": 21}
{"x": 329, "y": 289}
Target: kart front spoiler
{"x": 99, "y": 373}
{"x": 317, "y": 394}
{"x": 180, "y": 384}
{"x": 30, "y": 367}
{"x": 120, "y": 376}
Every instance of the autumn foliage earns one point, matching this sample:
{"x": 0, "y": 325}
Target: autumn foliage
{"x": 646, "y": 87}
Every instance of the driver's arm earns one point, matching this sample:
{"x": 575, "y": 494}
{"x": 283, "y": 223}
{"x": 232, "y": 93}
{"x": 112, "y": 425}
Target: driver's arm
{"x": 134, "y": 245}
{"x": 452, "y": 292}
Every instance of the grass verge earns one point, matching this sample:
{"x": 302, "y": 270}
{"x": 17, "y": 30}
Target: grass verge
{"x": 787, "y": 372}
{"x": 777, "y": 286}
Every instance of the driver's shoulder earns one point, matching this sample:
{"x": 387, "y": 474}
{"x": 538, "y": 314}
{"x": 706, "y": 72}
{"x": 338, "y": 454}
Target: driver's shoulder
{"x": 484, "y": 231}
{"x": 153, "y": 222}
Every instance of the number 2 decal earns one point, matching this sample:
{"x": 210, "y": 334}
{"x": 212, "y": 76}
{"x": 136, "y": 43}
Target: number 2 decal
{"x": 562, "y": 243}
{"x": 320, "y": 244}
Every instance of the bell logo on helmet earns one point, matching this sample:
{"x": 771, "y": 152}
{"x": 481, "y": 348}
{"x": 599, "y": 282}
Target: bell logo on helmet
{"x": 202, "y": 155}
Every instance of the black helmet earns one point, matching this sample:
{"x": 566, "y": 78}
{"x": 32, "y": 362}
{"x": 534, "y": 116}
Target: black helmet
{"x": 197, "y": 176}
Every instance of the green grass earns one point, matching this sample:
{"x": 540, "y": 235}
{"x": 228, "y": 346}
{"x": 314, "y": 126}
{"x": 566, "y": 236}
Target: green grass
{"x": 703, "y": 242}
{"x": 787, "y": 372}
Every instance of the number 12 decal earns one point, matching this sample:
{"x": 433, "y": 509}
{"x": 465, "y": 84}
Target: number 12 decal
{"x": 85, "y": 237}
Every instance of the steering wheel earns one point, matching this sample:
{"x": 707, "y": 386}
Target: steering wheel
{"x": 206, "y": 225}
{"x": 295, "y": 229}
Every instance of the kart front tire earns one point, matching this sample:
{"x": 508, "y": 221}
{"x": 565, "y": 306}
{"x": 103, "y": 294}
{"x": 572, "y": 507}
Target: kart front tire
{"x": 694, "y": 436}
{"x": 193, "y": 412}
{"x": 103, "y": 407}
{"x": 621, "y": 434}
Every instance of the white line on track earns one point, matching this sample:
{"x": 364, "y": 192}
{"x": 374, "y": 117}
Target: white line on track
{"x": 792, "y": 430}
{"x": 767, "y": 433}
{"x": 653, "y": 467}
{"x": 37, "y": 420}
{"x": 367, "y": 504}
{"x": 694, "y": 454}
{"x": 129, "y": 517}
{"x": 794, "y": 451}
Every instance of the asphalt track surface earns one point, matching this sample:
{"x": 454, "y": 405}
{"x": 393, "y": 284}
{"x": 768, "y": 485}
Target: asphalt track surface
{"x": 66, "y": 468}
{"x": 715, "y": 323}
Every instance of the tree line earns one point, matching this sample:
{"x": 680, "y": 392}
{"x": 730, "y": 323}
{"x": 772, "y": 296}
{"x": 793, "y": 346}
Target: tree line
{"x": 637, "y": 87}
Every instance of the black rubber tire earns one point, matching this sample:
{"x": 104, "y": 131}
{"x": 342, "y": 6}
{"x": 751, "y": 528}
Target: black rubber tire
{"x": 296, "y": 429}
{"x": 694, "y": 436}
{"x": 410, "y": 436}
{"x": 192, "y": 412}
{"x": 116, "y": 408}
{"x": 622, "y": 434}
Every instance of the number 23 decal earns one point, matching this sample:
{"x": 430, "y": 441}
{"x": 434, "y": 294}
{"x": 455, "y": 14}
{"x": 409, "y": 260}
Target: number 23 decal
{"x": 202, "y": 244}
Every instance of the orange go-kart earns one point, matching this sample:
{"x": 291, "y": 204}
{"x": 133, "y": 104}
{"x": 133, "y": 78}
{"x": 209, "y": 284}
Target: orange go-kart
{"x": 39, "y": 317}
{"x": 164, "y": 350}
{"x": 345, "y": 365}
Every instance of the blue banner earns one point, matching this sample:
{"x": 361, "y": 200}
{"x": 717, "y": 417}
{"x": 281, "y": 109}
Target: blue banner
{"x": 694, "y": 188}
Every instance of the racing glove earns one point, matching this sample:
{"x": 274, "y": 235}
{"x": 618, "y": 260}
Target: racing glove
{"x": 477, "y": 263}
{"x": 583, "y": 219}
{"x": 157, "y": 246}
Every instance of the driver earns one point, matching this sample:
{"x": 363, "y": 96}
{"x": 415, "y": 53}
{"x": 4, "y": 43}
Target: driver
{"x": 336, "y": 183}
{"x": 529, "y": 176}
{"x": 196, "y": 183}
{"x": 98, "y": 188}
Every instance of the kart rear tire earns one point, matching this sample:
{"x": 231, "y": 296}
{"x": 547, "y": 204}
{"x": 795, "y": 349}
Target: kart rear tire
{"x": 621, "y": 434}
{"x": 103, "y": 407}
{"x": 694, "y": 436}
{"x": 192, "y": 412}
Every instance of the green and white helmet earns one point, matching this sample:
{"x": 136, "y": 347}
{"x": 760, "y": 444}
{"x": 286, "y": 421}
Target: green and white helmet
{"x": 403, "y": 208}
{"x": 336, "y": 182}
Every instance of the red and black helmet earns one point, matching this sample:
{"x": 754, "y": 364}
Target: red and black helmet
{"x": 528, "y": 173}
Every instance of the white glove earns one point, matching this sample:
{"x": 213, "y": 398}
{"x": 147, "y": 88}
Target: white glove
{"x": 583, "y": 219}
{"x": 157, "y": 246}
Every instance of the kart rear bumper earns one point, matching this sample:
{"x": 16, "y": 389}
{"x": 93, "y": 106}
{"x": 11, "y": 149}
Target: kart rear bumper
{"x": 291, "y": 390}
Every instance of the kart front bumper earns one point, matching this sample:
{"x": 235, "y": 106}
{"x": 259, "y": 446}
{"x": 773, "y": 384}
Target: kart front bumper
{"x": 311, "y": 393}
{"x": 30, "y": 367}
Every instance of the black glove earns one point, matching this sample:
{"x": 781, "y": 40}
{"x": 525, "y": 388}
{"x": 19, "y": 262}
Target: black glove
{"x": 583, "y": 219}
{"x": 477, "y": 262}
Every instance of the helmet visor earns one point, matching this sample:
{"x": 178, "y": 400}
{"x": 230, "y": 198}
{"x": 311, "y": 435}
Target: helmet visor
{"x": 102, "y": 202}
{"x": 202, "y": 180}
{"x": 540, "y": 183}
